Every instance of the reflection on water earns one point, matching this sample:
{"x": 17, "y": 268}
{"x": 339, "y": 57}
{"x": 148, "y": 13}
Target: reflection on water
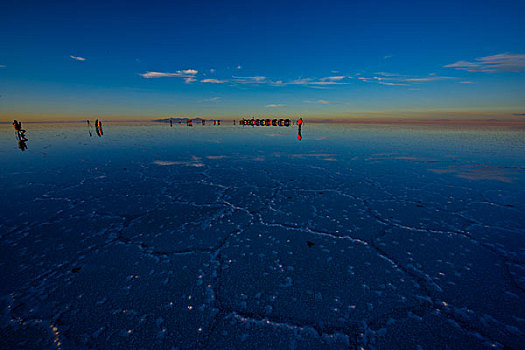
{"x": 158, "y": 236}
{"x": 89, "y": 128}
{"x": 300, "y": 123}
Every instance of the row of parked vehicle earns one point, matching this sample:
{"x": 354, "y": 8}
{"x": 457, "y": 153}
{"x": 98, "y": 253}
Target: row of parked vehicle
{"x": 266, "y": 122}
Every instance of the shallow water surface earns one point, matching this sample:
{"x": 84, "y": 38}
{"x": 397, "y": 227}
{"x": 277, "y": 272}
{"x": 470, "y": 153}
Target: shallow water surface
{"x": 372, "y": 236}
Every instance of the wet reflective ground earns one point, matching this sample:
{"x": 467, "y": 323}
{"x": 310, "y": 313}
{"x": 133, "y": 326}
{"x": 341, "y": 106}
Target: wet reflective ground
{"x": 220, "y": 237}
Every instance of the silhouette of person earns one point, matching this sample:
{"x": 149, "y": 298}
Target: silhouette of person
{"x": 20, "y": 133}
{"x": 98, "y": 128}
{"x": 17, "y": 125}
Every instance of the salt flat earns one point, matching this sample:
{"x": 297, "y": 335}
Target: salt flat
{"x": 220, "y": 237}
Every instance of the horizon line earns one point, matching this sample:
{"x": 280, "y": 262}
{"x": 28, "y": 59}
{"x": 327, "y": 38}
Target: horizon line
{"x": 406, "y": 121}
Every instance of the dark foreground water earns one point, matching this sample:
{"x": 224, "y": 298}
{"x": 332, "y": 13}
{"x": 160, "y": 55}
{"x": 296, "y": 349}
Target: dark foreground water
{"x": 223, "y": 237}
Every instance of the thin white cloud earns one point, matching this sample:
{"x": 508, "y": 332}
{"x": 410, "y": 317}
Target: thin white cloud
{"x": 190, "y": 71}
{"x": 189, "y": 80}
{"x": 213, "y": 99}
{"x": 2, "y": 65}
{"x": 212, "y": 70}
{"x": 323, "y": 102}
{"x": 250, "y": 80}
{"x": 427, "y": 79}
{"x": 465, "y": 82}
{"x": 334, "y": 78}
{"x": 239, "y": 67}
{"x": 392, "y": 84}
{"x": 387, "y": 74}
{"x": 324, "y": 82}
{"x": 393, "y": 79}
{"x": 310, "y": 81}
{"x": 275, "y": 106}
{"x": 78, "y": 58}
{"x": 213, "y": 81}
{"x": 149, "y": 75}
{"x": 503, "y": 62}
{"x": 186, "y": 73}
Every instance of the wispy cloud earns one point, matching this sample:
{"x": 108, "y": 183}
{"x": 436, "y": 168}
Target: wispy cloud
{"x": 239, "y": 67}
{"x": 78, "y": 58}
{"x": 391, "y": 84}
{"x": 186, "y": 73}
{"x": 465, "y": 82}
{"x": 427, "y": 79}
{"x": 213, "y": 99}
{"x": 387, "y": 74}
{"x": 2, "y": 66}
{"x": 192, "y": 75}
{"x": 250, "y": 80}
{"x": 213, "y": 81}
{"x": 333, "y": 78}
{"x": 394, "y": 79}
{"x": 323, "y": 102}
{"x": 311, "y": 81}
{"x": 275, "y": 106}
{"x": 503, "y": 62}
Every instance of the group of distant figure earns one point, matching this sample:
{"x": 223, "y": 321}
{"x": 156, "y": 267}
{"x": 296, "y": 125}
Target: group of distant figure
{"x": 189, "y": 122}
{"x": 251, "y": 122}
{"x": 22, "y": 139}
{"x": 20, "y": 135}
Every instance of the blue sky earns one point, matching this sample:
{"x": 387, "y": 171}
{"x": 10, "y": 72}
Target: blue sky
{"x": 70, "y": 59}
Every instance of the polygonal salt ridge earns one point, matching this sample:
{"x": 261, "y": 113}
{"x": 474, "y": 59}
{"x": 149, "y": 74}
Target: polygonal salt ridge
{"x": 240, "y": 330}
{"x": 182, "y": 228}
{"x": 329, "y": 304}
{"x": 53, "y": 249}
{"x": 142, "y": 299}
{"x": 332, "y": 212}
{"x": 450, "y": 267}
